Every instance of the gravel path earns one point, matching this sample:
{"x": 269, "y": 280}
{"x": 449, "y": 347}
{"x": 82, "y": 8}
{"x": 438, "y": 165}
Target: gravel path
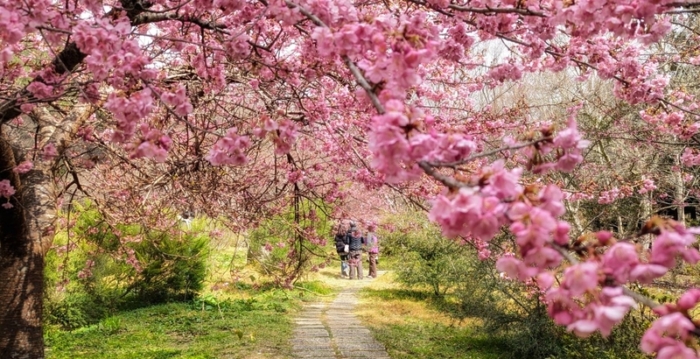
{"x": 332, "y": 331}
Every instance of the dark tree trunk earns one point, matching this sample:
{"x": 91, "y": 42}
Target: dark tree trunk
{"x": 26, "y": 229}
{"x": 21, "y": 272}
{"x": 21, "y": 289}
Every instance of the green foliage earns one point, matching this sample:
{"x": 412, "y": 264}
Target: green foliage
{"x": 284, "y": 246}
{"x": 222, "y": 329}
{"x": 75, "y": 309}
{"x": 173, "y": 266}
{"x": 427, "y": 259}
{"x": 98, "y": 268}
{"x": 111, "y": 325}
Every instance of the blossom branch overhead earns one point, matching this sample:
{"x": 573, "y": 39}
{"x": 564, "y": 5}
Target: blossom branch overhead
{"x": 262, "y": 90}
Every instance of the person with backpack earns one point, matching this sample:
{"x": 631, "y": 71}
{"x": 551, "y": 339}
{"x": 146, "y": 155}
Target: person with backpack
{"x": 373, "y": 248}
{"x": 343, "y": 249}
{"x": 356, "y": 243}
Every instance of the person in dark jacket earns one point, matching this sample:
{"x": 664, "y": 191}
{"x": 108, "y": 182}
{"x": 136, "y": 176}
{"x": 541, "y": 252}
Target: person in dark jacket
{"x": 355, "y": 260}
{"x": 341, "y": 241}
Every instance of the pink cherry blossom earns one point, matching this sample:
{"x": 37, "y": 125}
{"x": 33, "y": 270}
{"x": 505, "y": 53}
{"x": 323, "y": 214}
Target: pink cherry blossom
{"x": 23, "y": 167}
{"x": 668, "y": 332}
{"x": 229, "y": 150}
{"x": 619, "y": 261}
{"x": 580, "y": 278}
{"x": 49, "y": 152}
{"x": 6, "y": 189}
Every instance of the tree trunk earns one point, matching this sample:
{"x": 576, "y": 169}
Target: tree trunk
{"x": 21, "y": 290}
{"x": 21, "y": 272}
{"x": 646, "y": 213}
{"x": 620, "y": 227}
{"x": 573, "y": 210}
{"x": 679, "y": 190}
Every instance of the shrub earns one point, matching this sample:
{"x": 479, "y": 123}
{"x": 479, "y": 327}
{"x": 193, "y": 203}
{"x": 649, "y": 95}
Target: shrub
{"x": 288, "y": 245}
{"x": 427, "y": 259}
{"x": 173, "y": 266}
{"x": 100, "y": 267}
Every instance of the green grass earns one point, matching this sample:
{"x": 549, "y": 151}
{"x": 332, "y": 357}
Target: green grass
{"x": 257, "y": 326}
{"x": 411, "y": 326}
{"x": 238, "y": 315}
{"x": 425, "y": 340}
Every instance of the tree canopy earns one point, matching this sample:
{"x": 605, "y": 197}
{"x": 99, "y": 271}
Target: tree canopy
{"x": 241, "y": 108}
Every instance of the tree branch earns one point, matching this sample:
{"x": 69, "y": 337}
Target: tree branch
{"x": 359, "y": 77}
{"x": 488, "y": 10}
{"x": 485, "y": 154}
{"x": 446, "y": 180}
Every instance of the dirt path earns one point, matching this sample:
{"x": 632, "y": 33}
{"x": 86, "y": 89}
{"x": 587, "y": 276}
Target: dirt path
{"x": 332, "y": 331}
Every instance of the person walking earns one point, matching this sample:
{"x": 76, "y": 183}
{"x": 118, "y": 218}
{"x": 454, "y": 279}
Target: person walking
{"x": 342, "y": 246}
{"x": 355, "y": 260}
{"x": 373, "y": 245}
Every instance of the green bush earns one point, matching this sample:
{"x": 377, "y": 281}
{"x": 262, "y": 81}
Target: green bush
{"x": 101, "y": 268}
{"x": 173, "y": 266}
{"x": 427, "y": 260}
{"x": 74, "y": 310}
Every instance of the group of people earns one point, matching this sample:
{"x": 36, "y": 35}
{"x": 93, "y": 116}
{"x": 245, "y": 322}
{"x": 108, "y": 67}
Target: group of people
{"x": 350, "y": 244}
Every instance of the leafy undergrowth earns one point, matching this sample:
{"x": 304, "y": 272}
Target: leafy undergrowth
{"x": 239, "y": 314}
{"x": 406, "y": 322}
{"x": 257, "y": 324}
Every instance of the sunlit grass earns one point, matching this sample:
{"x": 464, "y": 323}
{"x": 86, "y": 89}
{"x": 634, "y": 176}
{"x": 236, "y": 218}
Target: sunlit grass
{"x": 182, "y": 330}
{"x": 406, "y": 322}
{"x": 239, "y": 314}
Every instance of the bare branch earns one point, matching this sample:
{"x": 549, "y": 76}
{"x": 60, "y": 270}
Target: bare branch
{"x": 446, "y": 180}
{"x": 506, "y": 10}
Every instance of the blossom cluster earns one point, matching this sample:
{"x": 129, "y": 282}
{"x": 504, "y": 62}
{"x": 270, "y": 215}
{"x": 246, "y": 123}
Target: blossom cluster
{"x": 128, "y": 111}
{"x": 111, "y": 55}
{"x": 670, "y": 336}
{"x": 229, "y": 150}
{"x": 23, "y": 167}
{"x": 6, "y": 191}
{"x": 153, "y": 144}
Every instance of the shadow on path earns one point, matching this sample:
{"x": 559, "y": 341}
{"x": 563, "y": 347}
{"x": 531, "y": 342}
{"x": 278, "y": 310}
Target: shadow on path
{"x": 332, "y": 331}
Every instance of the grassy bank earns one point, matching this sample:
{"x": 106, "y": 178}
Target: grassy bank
{"x": 410, "y": 327}
{"x": 242, "y": 322}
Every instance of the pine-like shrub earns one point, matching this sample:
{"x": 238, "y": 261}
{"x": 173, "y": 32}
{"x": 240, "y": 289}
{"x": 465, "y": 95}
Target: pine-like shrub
{"x": 100, "y": 268}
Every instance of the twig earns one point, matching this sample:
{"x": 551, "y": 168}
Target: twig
{"x": 486, "y": 154}
{"x": 488, "y": 10}
{"x": 446, "y": 180}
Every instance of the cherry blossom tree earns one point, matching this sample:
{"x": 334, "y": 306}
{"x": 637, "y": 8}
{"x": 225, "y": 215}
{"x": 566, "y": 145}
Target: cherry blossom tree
{"x": 232, "y": 104}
